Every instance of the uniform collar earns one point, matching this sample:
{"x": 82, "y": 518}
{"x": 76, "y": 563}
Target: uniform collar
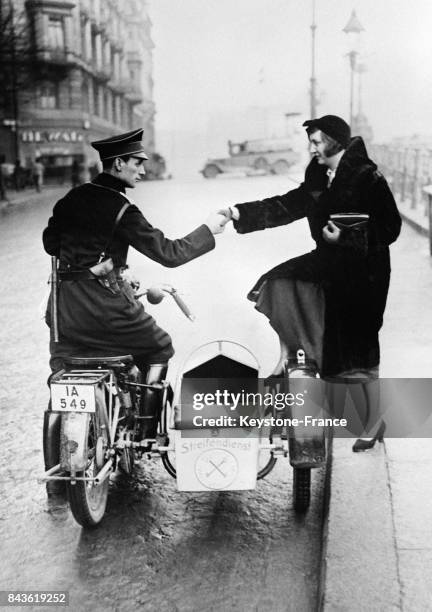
{"x": 107, "y": 180}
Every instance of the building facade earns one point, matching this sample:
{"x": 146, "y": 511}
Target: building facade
{"x": 95, "y": 62}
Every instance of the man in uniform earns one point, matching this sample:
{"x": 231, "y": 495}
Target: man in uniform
{"x": 95, "y": 222}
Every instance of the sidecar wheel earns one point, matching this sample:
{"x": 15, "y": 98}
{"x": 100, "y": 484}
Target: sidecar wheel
{"x": 301, "y": 489}
{"x": 168, "y": 459}
{"x": 169, "y": 465}
{"x": 267, "y": 468}
{"x": 266, "y": 462}
{"x": 88, "y": 500}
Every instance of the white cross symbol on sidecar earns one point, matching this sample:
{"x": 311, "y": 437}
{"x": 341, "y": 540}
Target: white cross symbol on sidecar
{"x": 216, "y": 468}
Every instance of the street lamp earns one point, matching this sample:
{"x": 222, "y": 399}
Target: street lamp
{"x": 360, "y": 69}
{"x": 14, "y": 123}
{"x": 353, "y": 29}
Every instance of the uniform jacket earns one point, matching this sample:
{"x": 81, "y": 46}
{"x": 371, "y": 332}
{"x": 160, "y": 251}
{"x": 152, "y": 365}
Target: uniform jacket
{"x": 78, "y": 231}
{"x": 355, "y": 272}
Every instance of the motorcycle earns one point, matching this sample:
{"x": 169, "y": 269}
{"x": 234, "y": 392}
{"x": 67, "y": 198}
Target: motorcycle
{"x": 93, "y": 425}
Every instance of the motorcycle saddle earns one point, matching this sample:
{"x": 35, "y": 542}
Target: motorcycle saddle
{"x": 109, "y": 362}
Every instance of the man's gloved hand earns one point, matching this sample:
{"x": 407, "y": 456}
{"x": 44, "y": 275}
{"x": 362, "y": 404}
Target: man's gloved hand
{"x": 216, "y": 223}
{"x": 331, "y": 233}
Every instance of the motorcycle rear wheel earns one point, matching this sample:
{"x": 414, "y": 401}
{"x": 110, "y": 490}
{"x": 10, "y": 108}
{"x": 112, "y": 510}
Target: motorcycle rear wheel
{"x": 301, "y": 489}
{"x": 87, "y": 499}
{"x": 51, "y": 437}
{"x": 51, "y": 450}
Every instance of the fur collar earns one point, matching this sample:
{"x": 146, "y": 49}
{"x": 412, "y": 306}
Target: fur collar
{"x": 354, "y": 162}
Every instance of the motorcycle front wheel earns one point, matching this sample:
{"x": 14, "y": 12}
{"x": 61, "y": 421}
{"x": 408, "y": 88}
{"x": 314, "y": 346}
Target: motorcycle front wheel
{"x": 87, "y": 499}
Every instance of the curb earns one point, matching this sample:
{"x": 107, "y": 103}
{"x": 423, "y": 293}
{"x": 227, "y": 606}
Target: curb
{"x": 326, "y": 509}
{"x": 414, "y": 224}
{"x": 359, "y": 558}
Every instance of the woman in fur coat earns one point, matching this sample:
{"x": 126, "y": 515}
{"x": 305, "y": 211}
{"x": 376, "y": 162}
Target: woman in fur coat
{"x": 330, "y": 301}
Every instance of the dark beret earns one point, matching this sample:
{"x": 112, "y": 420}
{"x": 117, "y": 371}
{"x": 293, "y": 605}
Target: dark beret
{"x": 333, "y": 126}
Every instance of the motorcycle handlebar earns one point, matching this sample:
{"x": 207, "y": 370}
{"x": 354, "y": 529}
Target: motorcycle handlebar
{"x": 156, "y": 295}
{"x": 181, "y": 304}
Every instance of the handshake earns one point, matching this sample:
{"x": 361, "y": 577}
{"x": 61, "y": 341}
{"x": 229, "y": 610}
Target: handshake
{"x": 216, "y": 221}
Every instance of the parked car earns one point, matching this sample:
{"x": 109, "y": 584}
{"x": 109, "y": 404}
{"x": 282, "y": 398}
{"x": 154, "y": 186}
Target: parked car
{"x": 263, "y": 156}
{"x": 155, "y": 167}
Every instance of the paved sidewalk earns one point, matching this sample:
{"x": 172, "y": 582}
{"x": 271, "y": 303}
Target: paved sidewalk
{"x": 416, "y": 217}
{"x": 378, "y": 545}
{"x": 31, "y": 196}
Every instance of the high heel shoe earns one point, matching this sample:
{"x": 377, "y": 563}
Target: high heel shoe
{"x": 362, "y": 445}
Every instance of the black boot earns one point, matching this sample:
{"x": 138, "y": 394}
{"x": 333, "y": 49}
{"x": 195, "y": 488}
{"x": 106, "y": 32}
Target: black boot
{"x": 151, "y": 399}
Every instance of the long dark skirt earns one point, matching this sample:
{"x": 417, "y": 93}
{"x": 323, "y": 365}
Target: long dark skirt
{"x": 296, "y": 311}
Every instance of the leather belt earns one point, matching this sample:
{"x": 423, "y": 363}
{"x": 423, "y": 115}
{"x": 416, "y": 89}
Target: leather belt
{"x": 73, "y": 275}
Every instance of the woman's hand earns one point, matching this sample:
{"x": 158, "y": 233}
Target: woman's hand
{"x": 231, "y": 213}
{"x": 331, "y": 233}
{"x": 216, "y": 223}
{"x": 226, "y": 212}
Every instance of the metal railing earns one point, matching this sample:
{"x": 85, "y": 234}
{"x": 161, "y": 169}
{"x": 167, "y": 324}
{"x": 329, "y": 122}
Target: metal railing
{"x": 408, "y": 170}
{"x": 428, "y": 191}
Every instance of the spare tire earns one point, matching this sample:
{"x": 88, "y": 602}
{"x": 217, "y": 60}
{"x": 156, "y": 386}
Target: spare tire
{"x": 281, "y": 166}
{"x": 211, "y": 171}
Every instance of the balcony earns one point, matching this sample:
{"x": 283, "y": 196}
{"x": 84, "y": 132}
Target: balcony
{"x": 63, "y": 6}
{"x": 120, "y": 86}
{"x": 148, "y": 108}
{"x": 101, "y": 73}
{"x": 56, "y": 56}
{"x": 135, "y": 57}
{"x": 134, "y": 93}
{"x": 117, "y": 44}
{"x": 131, "y": 91}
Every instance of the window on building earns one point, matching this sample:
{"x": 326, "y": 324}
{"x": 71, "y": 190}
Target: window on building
{"x": 84, "y": 50}
{"x": 96, "y": 99}
{"x": 56, "y": 32}
{"x": 121, "y": 111}
{"x": 114, "y": 108}
{"x": 85, "y": 96}
{"x": 106, "y": 109}
{"x": 48, "y": 96}
{"x": 93, "y": 47}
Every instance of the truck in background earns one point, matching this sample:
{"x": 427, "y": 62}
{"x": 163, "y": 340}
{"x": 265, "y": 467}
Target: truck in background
{"x": 261, "y": 156}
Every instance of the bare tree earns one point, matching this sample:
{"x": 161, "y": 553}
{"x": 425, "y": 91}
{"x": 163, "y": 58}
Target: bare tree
{"x": 18, "y": 66}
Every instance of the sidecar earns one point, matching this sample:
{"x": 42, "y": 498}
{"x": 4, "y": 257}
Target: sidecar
{"x": 222, "y": 436}
{"x": 213, "y": 450}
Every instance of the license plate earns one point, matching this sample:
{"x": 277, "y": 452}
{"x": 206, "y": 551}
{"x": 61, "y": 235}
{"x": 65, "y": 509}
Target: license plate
{"x": 73, "y": 398}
